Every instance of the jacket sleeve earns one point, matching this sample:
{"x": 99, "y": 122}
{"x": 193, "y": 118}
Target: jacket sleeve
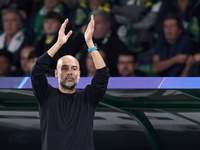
{"x": 99, "y": 85}
{"x": 38, "y": 78}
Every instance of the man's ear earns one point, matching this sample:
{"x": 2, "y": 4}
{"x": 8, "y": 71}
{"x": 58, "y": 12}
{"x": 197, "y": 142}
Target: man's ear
{"x": 56, "y": 73}
{"x": 79, "y": 74}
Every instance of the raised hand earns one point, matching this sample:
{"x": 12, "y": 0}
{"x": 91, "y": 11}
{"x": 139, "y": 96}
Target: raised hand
{"x": 62, "y": 38}
{"x": 89, "y": 31}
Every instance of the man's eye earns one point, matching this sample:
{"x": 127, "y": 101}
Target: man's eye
{"x": 74, "y": 68}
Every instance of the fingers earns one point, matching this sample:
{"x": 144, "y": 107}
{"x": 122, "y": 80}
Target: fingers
{"x": 92, "y": 20}
{"x": 91, "y": 24}
{"x": 69, "y": 34}
{"x": 90, "y": 29}
{"x": 63, "y": 26}
{"x": 92, "y": 17}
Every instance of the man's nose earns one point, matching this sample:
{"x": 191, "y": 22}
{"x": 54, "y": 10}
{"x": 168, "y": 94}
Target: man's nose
{"x": 69, "y": 71}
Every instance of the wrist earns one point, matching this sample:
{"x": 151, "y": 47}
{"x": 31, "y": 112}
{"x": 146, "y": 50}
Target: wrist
{"x": 93, "y": 48}
{"x": 59, "y": 44}
{"x": 90, "y": 44}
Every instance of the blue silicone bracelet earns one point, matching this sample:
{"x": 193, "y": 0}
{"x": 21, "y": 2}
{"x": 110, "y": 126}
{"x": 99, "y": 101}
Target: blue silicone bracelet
{"x": 92, "y": 49}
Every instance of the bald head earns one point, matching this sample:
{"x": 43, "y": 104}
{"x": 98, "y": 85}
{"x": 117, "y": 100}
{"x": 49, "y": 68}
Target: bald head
{"x": 67, "y": 59}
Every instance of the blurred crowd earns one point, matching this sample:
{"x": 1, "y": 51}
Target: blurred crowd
{"x": 136, "y": 38}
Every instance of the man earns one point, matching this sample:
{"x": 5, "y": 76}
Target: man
{"x": 173, "y": 53}
{"x": 5, "y": 63}
{"x": 127, "y": 66}
{"x": 66, "y": 114}
{"x": 188, "y": 10}
{"x": 13, "y": 39}
{"x": 24, "y": 60}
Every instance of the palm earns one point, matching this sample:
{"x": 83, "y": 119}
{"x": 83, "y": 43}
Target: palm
{"x": 90, "y": 29}
{"x": 62, "y": 38}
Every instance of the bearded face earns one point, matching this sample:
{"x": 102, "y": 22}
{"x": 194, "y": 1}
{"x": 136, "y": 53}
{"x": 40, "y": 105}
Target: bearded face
{"x": 67, "y": 72}
{"x": 69, "y": 83}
